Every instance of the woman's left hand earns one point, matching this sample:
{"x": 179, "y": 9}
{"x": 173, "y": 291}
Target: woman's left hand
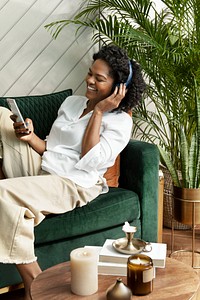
{"x": 113, "y": 100}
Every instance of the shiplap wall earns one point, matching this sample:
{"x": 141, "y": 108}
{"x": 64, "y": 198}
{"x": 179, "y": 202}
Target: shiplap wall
{"x": 31, "y": 61}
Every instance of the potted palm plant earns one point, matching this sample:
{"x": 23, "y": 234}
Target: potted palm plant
{"x": 166, "y": 42}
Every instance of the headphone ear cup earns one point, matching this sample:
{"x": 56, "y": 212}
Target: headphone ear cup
{"x": 130, "y": 75}
{"x": 128, "y": 79}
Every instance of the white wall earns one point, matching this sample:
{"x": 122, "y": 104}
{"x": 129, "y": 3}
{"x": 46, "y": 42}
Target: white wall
{"x": 31, "y": 62}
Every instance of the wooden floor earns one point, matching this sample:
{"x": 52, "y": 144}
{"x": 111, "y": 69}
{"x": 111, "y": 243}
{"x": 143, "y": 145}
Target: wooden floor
{"x": 182, "y": 241}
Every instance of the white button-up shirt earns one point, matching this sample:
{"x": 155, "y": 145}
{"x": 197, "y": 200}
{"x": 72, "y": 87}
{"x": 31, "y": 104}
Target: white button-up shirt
{"x": 63, "y": 155}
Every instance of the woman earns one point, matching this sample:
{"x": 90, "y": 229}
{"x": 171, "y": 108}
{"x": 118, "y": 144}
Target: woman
{"x": 66, "y": 170}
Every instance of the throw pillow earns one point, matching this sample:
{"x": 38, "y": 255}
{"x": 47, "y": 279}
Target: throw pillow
{"x": 112, "y": 174}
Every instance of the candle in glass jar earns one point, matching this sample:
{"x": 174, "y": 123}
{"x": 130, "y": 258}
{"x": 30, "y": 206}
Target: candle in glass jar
{"x": 84, "y": 271}
{"x": 140, "y": 274}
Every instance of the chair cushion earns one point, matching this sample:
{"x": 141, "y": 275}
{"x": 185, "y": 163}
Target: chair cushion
{"x": 106, "y": 211}
{"x": 42, "y": 109}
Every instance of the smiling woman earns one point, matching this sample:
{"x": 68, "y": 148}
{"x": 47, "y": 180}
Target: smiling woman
{"x": 67, "y": 169}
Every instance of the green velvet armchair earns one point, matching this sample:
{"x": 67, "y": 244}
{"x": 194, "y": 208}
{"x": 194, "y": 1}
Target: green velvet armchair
{"x": 135, "y": 200}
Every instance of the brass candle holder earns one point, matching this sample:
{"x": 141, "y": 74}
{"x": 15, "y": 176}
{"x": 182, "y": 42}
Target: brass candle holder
{"x": 129, "y": 231}
{"x": 129, "y": 244}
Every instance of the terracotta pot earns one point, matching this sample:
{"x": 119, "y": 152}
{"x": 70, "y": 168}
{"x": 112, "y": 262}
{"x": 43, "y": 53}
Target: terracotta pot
{"x": 187, "y": 205}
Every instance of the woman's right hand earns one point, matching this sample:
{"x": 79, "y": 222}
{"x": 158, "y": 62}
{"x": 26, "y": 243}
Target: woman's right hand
{"x": 22, "y": 133}
{"x": 28, "y": 135}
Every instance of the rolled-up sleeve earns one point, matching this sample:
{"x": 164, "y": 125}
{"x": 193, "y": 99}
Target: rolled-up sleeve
{"x": 90, "y": 160}
{"x": 114, "y": 137}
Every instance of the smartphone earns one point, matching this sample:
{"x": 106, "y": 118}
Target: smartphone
{"x": 15, "y": 110}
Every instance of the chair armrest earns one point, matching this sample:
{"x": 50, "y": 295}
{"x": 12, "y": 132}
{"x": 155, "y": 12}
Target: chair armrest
{"x": 139, "y": 172}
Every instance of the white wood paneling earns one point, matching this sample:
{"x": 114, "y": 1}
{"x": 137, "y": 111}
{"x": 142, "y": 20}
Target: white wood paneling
{"x": 32, "y": 62}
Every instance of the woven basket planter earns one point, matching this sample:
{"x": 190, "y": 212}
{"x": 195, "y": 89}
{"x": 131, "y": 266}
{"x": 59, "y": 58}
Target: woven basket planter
{"x": 168, "y": 202}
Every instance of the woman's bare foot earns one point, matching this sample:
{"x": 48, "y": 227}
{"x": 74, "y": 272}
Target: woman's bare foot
{"x": 28, "y": 272}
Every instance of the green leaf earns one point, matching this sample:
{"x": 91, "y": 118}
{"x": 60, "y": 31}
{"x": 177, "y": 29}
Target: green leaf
{"x": 184, "y": 159}
{"x": 170, "y": 166}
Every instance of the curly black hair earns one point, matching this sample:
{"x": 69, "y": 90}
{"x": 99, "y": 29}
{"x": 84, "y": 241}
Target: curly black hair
{"x": 119, "y": 61}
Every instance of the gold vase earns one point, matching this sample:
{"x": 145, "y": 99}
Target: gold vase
{"x": 187, "y": 205}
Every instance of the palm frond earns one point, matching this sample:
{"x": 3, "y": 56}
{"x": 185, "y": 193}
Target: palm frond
{"x": 166, "y": 43}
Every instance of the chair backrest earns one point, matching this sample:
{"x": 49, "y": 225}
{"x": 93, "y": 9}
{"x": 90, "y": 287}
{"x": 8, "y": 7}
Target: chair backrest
{"x": 42, "y": 109}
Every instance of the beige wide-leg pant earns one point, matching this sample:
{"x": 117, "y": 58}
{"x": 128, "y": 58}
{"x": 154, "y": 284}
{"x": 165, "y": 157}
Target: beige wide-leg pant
{"x": 26, "y": 197}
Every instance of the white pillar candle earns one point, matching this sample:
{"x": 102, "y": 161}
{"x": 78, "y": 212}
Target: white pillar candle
{"x": 84, "y": 271}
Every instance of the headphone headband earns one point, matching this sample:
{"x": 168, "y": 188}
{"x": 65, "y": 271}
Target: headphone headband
{"x": 130, "y": 74}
